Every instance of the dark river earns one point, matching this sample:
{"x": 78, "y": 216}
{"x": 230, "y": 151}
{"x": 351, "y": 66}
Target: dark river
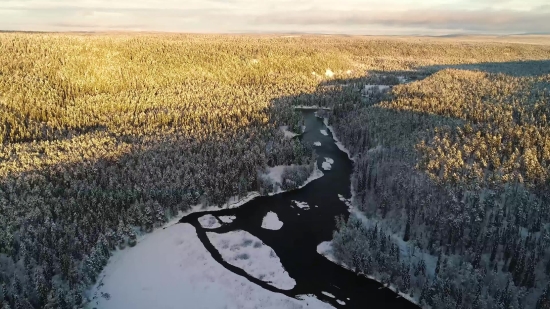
{"x": 296, "y": 242}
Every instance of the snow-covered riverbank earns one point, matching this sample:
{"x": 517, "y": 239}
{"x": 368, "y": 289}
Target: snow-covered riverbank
{"x": 170, "y": 268}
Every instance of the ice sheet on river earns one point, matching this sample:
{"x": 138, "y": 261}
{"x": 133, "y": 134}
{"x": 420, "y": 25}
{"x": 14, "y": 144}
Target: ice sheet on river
{"x": 227, "y": 219}
{"x": 209, "y": 222}
{"x": 327, "y": 165}
{"x": 246, "y": 251}
{"x": 170, "y": 268}
{"x": 271, "y": 221}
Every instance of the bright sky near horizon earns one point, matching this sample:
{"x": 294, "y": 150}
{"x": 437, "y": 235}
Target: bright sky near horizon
{"x": 434, "y": 17}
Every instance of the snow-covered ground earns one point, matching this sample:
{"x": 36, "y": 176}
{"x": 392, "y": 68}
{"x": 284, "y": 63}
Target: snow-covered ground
{"x": 324, "y": 132}
{"x": 271, "y": 221}
{"x": 345, "y": 201}
{"x": 311, "y": 107}
{"x": 275, "y": 174}
{"x": 287, "y": 133}
{"x": 302, "y": 205}
{"x": 337, "y": 141}
{"x": 246, "y": 251}
{"x": 327, "y": 165}
{"x": 171, "y": 269}
{"x": 227, "y": 219}
{"x": 317, "y": 144}
{"x": 209, "y": 222}
{"x": 376, "y": 87}
{"x": 325, "y": 249}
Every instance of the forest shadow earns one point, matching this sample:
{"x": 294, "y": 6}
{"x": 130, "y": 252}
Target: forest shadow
{"x": 527, "y": 68}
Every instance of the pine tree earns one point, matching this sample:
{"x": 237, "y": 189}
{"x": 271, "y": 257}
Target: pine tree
{"x": 544, "y": 300}
{"x": 439, "y": 261}
{"x": 407, "y": 235}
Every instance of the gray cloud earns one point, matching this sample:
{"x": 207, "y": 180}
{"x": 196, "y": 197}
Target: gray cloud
{"x": 349, "y": 16}
{"x": 492, "y": 20}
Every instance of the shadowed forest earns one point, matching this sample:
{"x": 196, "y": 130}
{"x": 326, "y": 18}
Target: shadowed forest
{"x": 105, "y": 137}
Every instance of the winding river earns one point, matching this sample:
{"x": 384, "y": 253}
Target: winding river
{"x": 303, "y": 230}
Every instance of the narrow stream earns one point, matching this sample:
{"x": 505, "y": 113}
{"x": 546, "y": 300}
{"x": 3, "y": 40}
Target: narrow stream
{"x": 303, "y": 230}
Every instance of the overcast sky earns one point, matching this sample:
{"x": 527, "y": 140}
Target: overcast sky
{"x": 320, "y": 16}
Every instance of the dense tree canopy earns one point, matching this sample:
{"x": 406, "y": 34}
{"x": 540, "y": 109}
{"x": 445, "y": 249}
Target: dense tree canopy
{"x": 103, "y": 137}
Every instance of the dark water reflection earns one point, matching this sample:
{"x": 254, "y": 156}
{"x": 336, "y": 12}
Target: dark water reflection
{"x": 303, "y": 230}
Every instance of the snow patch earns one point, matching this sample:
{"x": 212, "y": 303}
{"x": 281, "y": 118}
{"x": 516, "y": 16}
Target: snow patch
{"x": 328, "y": 294}
{"x": 311, "y": 107}
{"x": 171, "y": 267}
{"x": 275, "y": 173}
{"x": 341, "y": 302}
{"x": 246, "y": 251}
{"x": 209, "y": 222}
{"x": 324, "y": 132}
{"x": 227, "y": 219}
{"x": 317, "y": 144}
{"x": 271, "y": 221}
{"x": 287, "y": 133}
{"x": 345, "y": 201}
{"x": 325, "y": 249}
{"x": 301, "y": 205}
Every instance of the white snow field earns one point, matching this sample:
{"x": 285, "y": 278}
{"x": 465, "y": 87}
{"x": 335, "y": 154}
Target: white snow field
{"x": 324, "y": 132}
{"x": 271, "y": 222}
{"x": 209, "y": 222}
{"x": 317, "y": 144}
{"x": 171, "y": 269}
{"x": 227, "y": 219}
{"x": 246, "y": 251}
{"x": 327, "y": 165}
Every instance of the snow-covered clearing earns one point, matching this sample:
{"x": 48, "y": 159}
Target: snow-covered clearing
{"x": 170, "y": 269}
{"x": 302, "y": 205}
{"x": 376, "y": 87}
{"x": 271, "y": 222}
{"x": 324, "y": 132}
{"x": 246, "y": 251}
{"x": 209, "y": 222}
{"x": 327, "y": 165}
{"x": 311, "y": 107}
{"x": 227, "y": 219}
{"x": 275, "y": 174}
{"x": 317, "y": 144}
{"x": 287, "y": 133}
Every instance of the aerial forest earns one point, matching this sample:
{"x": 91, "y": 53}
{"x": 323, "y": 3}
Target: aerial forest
{"x": 105, "y": 137}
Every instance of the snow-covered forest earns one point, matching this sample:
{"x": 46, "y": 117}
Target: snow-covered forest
{"x": 104, "y": 137}
{"x": 451, "y": 181}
